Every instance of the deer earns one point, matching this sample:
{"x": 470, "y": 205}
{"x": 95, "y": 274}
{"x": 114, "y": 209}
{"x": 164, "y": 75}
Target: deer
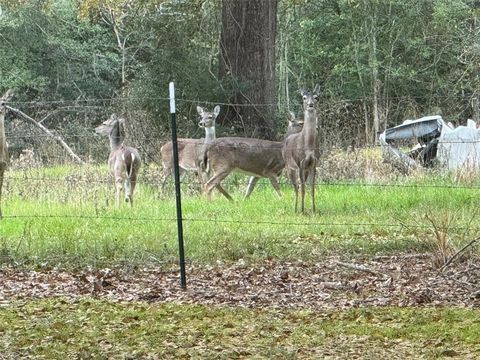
{"x": 4, "y": 158}
{"x": 295, "y": 125}
{"x": 299, "y": 150}
{"x": 123, "y": 161}
{"x": 256, "y": 157}
{"x": 190, "y": 150}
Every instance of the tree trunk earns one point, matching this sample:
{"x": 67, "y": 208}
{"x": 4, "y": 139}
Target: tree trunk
{"x": 375, "y": 76}
{"x": 247, "y": 57}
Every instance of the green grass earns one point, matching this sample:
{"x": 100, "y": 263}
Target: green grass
{"x": 64, "y": 216}
{"x": 95, "y": 329}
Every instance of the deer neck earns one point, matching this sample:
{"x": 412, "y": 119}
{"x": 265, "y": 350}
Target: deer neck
{"x": 115, "y": 137}
{"x": 309, "y": 130}
{"x": 209, "y": 134}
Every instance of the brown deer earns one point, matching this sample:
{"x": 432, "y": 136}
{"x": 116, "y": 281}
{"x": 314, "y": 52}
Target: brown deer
{"x": 299, "y": 150}
{"x": 124, "y": 161}
{"x": 190, "y": 151}
{"x": 259, "y": 158}
{"x": 294, "y": 126}
{"x": 4, "y": 159}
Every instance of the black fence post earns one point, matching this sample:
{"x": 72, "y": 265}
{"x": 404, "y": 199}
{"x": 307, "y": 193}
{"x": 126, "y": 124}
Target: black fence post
{"x": 181, "y": 252}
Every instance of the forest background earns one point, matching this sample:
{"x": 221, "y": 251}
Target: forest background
{"x": 71, "y": 63}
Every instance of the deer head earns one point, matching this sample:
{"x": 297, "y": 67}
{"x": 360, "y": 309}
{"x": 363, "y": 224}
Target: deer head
{"x": 310, "y": 98}
{"x": 207, "y": 119}
{"x": 108, "y": 126}
{"x": 294, "y": 125}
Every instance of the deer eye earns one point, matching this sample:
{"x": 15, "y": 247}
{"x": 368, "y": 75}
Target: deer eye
{"x": 304, "y": 97}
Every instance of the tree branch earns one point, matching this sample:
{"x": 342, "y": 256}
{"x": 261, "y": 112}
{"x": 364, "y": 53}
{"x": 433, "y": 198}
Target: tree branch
{"x": 58, "y": 138}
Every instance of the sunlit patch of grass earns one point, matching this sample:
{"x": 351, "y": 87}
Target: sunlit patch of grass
{"x": 91, "y": 328}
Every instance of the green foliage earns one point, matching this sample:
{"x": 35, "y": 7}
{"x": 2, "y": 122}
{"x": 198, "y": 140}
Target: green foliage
{"x": 51, "y": 55}
{"x": 418, "y": 57}
{"x": 416, "y": 48}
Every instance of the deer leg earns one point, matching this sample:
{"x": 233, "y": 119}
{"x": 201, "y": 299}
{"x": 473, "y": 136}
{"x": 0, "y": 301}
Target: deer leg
{"x": 302, "y": 189}
{"x": 214, "y": 182}
{"x": 200, "y": 178}
{"x": 313, "y": 186}
{"x": 165, "y": 174}
{"x": 118, "y": 189}
{"x": 251, "y": 185}
{"x": 1, "y": 185}
{"x": 292, "y": 175}
{"x": 276, "y": 186}
{"x": 224, "y": 192}
{"x": 220, "y": 189}
{"x": 132, "y": 182}
{"x": 127, "y": 187}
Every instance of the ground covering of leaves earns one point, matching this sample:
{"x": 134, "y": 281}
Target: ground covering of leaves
{"x": 377, "y": 307}
{"x": 402, "y": 280}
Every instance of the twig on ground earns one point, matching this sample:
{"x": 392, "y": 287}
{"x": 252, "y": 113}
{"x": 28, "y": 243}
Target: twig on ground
{"x": 361, "y": 268}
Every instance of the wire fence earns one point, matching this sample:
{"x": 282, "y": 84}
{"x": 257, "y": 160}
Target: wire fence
{"x": 36, "y": 173}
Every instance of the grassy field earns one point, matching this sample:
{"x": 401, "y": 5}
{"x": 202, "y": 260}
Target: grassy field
{"x": 64, "y": 216}
{"x": 56, "y": 328}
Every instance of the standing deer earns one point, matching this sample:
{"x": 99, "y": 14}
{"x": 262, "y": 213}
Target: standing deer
{"x": 294, "y": 126}
{"x": 259, "y": 158}
{"x": 124, "y": 161}
{"x": 190, "y": 151}
{"x": 3, "y": 143}
{"x": 299, "y": 150}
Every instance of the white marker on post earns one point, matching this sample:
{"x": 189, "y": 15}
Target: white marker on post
{"x": 171, "y": 88}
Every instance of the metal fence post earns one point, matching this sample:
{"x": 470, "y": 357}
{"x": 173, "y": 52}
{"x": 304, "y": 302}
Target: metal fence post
{"x": 181, "y": 253}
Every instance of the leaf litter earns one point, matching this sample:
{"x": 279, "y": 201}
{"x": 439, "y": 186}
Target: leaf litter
{"x": 331, "y": 283}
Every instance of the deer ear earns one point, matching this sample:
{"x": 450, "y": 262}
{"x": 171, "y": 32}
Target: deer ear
{"x": 200, "y": 110}
{"x": 291, "y": 115}
{"x": 216, "y": 111}
{"x": 316, "y": 89}
{"x": 302, "y": 91}
{"x": 7, "y": 96}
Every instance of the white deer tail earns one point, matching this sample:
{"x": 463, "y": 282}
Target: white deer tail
{"x": 129, "y": 169}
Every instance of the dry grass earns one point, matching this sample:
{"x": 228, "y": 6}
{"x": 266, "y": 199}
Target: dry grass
{"x": 358, "y": 165}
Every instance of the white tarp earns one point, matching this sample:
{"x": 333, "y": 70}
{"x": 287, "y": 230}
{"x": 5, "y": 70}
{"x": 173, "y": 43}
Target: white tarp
{"x": 456, "y": 147}
{"x": 460, "y": 147}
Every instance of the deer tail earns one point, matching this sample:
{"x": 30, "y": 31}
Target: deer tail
{"x": 129, "y": 165}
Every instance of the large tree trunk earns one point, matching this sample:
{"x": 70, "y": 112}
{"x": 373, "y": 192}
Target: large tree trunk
{"x": 247, "y": 55}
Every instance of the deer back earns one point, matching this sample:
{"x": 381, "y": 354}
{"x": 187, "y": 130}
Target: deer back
{"x": 189, "y": 151}
{"x": 252, "y": 156}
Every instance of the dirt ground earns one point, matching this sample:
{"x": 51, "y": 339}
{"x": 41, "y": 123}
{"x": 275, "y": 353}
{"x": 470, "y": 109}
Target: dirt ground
{"x": 333, "y": 282}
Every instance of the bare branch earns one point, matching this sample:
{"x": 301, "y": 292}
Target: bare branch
{"x": 454, "y": 256}
{"x": 58, "y": 138}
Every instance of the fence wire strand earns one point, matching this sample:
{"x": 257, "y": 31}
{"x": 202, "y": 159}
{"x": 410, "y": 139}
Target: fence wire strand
{"x": 19, "y": 175}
